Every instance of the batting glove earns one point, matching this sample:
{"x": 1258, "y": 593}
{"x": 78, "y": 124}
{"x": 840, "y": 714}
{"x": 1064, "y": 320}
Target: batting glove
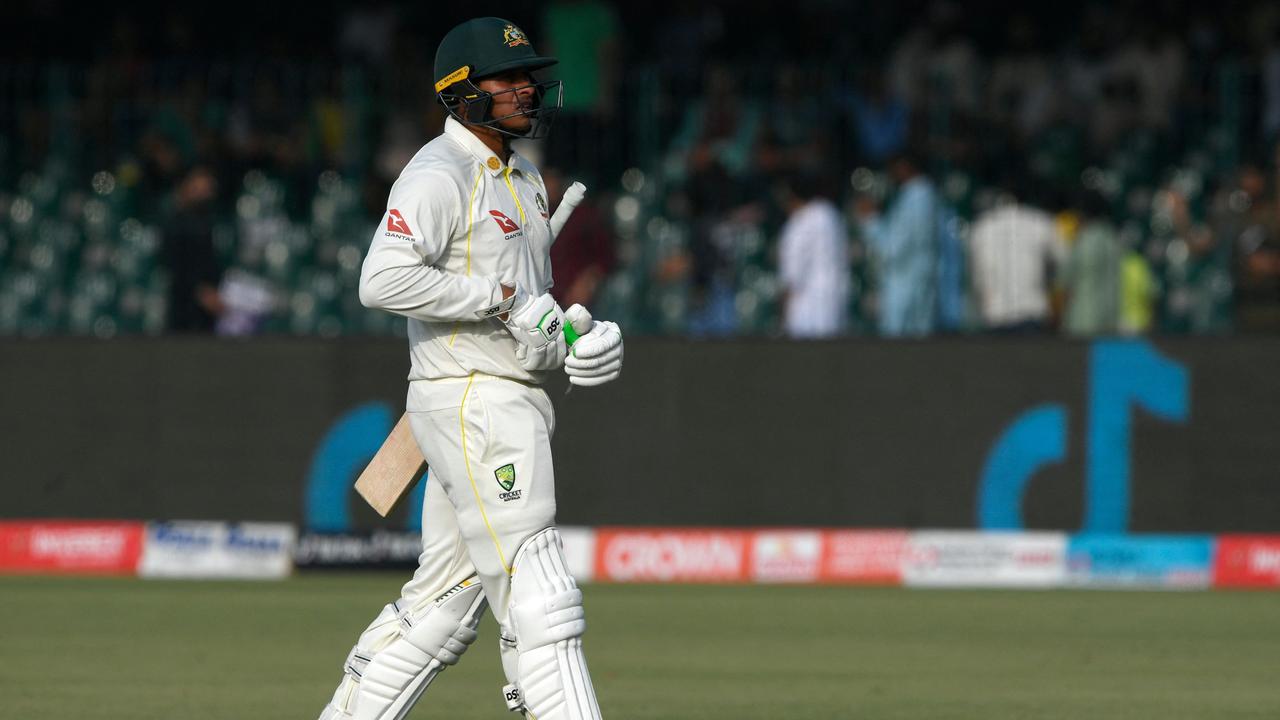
{"x": 537, "y": 324}
{"x": 596, "y": 357}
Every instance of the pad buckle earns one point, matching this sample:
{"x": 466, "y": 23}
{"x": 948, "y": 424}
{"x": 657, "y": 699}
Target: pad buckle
{"x": 356, "y": 663}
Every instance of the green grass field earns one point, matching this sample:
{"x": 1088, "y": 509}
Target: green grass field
{"x": 75, "y": 649}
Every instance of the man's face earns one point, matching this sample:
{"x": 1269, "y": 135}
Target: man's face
{"x": 506, "y": 102}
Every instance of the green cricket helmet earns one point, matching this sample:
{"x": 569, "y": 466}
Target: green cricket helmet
{"x": 482, "y": 48}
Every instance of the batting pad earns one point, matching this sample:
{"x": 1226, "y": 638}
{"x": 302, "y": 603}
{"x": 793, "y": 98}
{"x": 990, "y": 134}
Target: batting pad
{"x": 548, "y": 620}
{"x": 403, "y": 650}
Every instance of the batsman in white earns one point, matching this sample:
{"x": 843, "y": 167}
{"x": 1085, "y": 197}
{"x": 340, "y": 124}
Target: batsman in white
{"x": 463, "y": 253}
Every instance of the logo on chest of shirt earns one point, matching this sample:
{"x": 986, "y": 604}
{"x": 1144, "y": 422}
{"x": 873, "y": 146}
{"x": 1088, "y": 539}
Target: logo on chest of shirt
{"x": 397, "y": 225}
{"x": 508, "y": 225}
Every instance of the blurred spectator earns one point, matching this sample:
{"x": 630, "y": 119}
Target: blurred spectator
{"x": 722, "y": 128}
{"x": 1139, "y": 292}
{"x": 1197, "y": 265}
{"x": 1013, "y": 248}
{"x": 194, "y": 274}
{"x": 1150, "y": 65}
{"x": 1091, "y": 277}
{"x": 583, "y": 36}
{"x": 796, "y": 128}
{"x": 1021, "y": 91}
{"x": 904, "y": 243}
{"x": 813, "y": 261}
{"x": 936, "y": 62}
{"x": 724, "y": 214}
{"x": 582, "y": 255}
{"x": 1248, "y": 219}
{"x": 880, "y": 119}
{"x": 953, "y": 295}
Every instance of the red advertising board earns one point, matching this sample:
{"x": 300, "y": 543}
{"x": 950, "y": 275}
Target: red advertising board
{"x": 1247, "y": 561}
{"x": 863, "y": 556}
{"x": 671, "y": 555}
{"x": 35, "y": 547}
{"x": 780, "y": 555}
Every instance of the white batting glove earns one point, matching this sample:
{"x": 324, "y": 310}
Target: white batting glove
{"x": 537, "y": 323}
{"x": 597, "y": 356}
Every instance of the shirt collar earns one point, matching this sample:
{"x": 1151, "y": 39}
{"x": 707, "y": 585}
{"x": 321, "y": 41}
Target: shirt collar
{"x": 486, "y": 157}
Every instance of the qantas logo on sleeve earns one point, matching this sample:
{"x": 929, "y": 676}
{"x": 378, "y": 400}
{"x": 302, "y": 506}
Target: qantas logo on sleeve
{"x": 507, "y": 224}
{"x": 396, "y": 223}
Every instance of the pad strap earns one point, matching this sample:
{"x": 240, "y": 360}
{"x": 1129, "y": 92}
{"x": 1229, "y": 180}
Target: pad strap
{"x": 356, "y": 662}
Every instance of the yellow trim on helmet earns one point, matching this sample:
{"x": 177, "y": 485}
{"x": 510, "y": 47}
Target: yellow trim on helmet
{"x": 456, "y": 76}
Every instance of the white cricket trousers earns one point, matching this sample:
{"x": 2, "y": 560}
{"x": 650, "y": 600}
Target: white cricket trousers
{"x": 490, "y": 482}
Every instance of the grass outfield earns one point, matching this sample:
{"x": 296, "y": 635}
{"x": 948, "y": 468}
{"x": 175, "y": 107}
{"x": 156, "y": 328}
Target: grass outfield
{"x": 107, "y": 648}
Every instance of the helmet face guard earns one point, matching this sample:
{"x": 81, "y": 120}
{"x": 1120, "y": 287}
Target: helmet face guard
{"x": 470, "y": 105}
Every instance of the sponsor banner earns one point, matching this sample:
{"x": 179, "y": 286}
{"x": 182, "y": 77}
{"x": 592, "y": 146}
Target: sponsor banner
{"x": 1247, "y": 561}
{"x": 670, "y": 555}
{"x": 380, "y": 549}
{"x": 99, "y": 547}
{"x": 399, "y": 550}
{"x": 786, "y": 556}
{"x": 863, "y": 556}
{"x": 1165, "y": 561}
{"x": 975, "y": 559}
{"x": 206, "y": 550}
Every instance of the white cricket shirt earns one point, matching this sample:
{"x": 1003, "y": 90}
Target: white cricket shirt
{"x": 1011, "y": 249}
{"x": 459, "y": 222}
{"x": 813, "y": 266}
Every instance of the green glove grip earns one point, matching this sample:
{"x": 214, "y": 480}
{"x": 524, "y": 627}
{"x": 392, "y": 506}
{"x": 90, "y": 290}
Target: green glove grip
{"x": 570, "y": 335}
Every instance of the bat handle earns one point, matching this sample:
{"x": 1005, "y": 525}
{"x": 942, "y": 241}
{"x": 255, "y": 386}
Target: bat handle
{"x": 572, "y": 198}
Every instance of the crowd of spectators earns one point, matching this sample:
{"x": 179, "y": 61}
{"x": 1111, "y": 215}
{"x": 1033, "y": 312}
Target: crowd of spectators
{"x": 808, "y": 168}
{"x": 1108, "y": 170}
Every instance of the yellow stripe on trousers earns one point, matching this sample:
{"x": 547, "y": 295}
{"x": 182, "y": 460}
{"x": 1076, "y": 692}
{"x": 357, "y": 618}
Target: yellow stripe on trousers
{"x": 466, "y": 461}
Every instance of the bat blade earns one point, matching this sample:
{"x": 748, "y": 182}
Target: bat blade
{"x": 394, "y": 470}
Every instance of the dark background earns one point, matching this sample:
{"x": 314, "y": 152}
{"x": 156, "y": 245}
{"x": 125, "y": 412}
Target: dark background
{"x": 871, "y": 434}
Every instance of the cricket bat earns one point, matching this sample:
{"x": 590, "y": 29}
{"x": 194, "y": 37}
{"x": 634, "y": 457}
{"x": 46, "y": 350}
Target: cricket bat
{"x": 398, "y": 464}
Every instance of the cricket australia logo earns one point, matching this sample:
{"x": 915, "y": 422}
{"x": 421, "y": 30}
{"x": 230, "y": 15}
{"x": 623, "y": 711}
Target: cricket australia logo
{"x": 506, "y": 477}
{"x": 512, "y": 36}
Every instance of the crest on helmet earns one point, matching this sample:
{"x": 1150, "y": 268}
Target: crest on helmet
{"x": 512, "y": 36}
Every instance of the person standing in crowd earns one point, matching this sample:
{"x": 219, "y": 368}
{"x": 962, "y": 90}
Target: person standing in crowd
{"x": 813, "y": 262}
{"x": 194, "y": 272}
{"x": 1091, "y": 274}
{"x": 1012, "y": 248}
{"x": 584, "y": 35}
{"x": 904, "y": 243}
